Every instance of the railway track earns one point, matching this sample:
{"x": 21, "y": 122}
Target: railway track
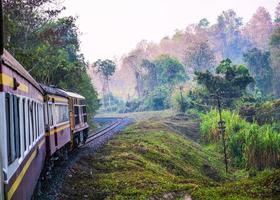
{"x": 104, "y": 131}
{"x": 50, "y": 188}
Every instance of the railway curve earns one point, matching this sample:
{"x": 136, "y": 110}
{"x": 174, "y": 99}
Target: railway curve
{"x": 49, "y": 189}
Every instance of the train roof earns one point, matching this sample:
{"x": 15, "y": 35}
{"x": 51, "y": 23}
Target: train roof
{"x": 74, "y": 95}
{"x": 53, "y": 90}
{"x": 11, "y": 62}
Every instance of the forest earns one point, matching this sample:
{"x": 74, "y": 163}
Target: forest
{"x": 231, "y": 61}
{"x": 48, "y": 46}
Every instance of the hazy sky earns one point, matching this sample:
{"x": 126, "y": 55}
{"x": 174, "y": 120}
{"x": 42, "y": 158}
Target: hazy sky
{"x": 111, "y": 28}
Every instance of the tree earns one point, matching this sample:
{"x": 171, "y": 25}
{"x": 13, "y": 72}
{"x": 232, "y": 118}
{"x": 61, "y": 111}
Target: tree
{"x": 23, "y": 18}
{"x": 152, "y": 74}
{"x": 229, "y": 80}
{"x": 259, "y": 28}
{"x": 201, "y": 57}
{"x": 48, "y": 47}
{"x": 275, "y": 60}
{"x": 277, "y": 13}
{"x": 259, "y": 65}
{"x": 228, "y": 35}
{"x": 203, "y": 23}
{"x": 106, "y": 68}
{"x": 171, "y": 71}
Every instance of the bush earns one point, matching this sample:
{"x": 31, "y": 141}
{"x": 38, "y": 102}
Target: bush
{"x": 180, "y": 102}
{"x": 249, "y": 145}
{"x": 112, "y": 103}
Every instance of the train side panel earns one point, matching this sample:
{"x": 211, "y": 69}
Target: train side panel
{"x": 57, "y": 125}
{"x": 22, "y": 130}
{"x": 78, "y": 118}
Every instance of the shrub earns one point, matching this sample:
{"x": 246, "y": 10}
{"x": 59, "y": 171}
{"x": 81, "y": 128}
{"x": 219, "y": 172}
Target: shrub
{"x": 249, "y": 145}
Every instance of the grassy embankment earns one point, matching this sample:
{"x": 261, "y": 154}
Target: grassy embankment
{"x": 149, "y": 161}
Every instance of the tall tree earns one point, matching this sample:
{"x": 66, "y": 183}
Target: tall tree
{"x": 106, "y": 68}
{"x": 23, "y": 18}
{"x": 48, "y": 46}
{"x": 203, "y": 23}
{"x": 259, "y": 66}
{"x": 228, "y": 34}
{"x": 201, "y": 57}
{"x": 229, "y": 80}
{"x": 275, "y": 60}
{"x": 171, "y": 71}
{"x": 277, "y": 13}
{"x": 259, "y": 28}
{"x": 152, "y": 74}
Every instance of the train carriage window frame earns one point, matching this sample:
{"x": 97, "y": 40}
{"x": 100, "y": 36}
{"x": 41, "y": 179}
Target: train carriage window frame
{"x": 76, "y": 115}
{"x": 61, "y": 113}
{"x": 50, "y": 114}
{"x": 25, "y": 144}
{"x": 13, "y": 158}
{"x": 38, "y": 121}
{"x": 29, "y": 125}
{"x": 17, "y": 126}
{"x": 32, "y": 122}
{"x": 35, "y": 122}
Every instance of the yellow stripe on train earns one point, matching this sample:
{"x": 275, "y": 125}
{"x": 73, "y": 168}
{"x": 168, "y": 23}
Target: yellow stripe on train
{"x": 58, "y": 129}
{"x": 59, "y": 99}
{"x": 22, "y": 173}
{"x": 9, "y": 81}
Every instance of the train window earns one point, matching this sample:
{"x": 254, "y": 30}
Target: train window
{"x": 45, "y": 111}
{"x": 37, "y": 119}
{"x": 41, "y": 117}
{"x": 28, "y": 122}
{"x": 83, "y": 102}
{"x": 85, "y": 118}
{"x": 10, "y": 139}
{"x": 12, "y": 106}
{"x": 35, "y": 124}
{"x": 17, "y": 125}
{"x": 84, "y": 109}
{"x": 61, "y": 113}
{"x": 32, "y": 121}
{"x": 50, "y": 114}
{"x": 76, "y": 112}
{"x": 24, "y": 125}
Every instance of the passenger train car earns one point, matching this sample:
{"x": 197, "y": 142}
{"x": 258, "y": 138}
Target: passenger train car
{"x": 57, "y": 124}
{"x": 22, "y": 132}
{"x": 78, "y": 118}
{"x": 37, "y": 123}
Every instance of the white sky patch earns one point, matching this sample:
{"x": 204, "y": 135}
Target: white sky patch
{"x": 111, "y": 28}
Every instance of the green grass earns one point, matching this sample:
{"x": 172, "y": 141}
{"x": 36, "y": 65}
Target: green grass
{"x": 266, "y": 185}
{"x": 148, "y": 161}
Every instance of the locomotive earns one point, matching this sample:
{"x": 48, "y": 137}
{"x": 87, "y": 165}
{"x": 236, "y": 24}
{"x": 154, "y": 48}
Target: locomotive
{"x": 38, "y": 123}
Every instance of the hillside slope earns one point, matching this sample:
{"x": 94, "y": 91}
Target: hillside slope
{"x": 149, "y": 161}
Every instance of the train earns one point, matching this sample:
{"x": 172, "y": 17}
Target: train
{"x": 38, "y": 124}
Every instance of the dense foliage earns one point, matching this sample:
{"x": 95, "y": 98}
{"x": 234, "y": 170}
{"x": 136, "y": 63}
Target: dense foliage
{"x": 229, "y": 81}
{"x": 160, "y": 77}
{"x": 259, "y": 65}
{"x": 48, "y": 46}
{"x": 249, "y": 144}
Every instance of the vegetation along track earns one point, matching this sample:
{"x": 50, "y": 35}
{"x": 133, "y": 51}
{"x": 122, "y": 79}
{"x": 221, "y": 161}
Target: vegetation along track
{"x": 50, "y": 188}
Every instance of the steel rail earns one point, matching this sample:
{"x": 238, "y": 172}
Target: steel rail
{"x": 103, "y": 131}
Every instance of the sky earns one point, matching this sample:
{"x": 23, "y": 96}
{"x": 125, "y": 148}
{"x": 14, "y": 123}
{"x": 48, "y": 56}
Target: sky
{"x": 111, "y": 28}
